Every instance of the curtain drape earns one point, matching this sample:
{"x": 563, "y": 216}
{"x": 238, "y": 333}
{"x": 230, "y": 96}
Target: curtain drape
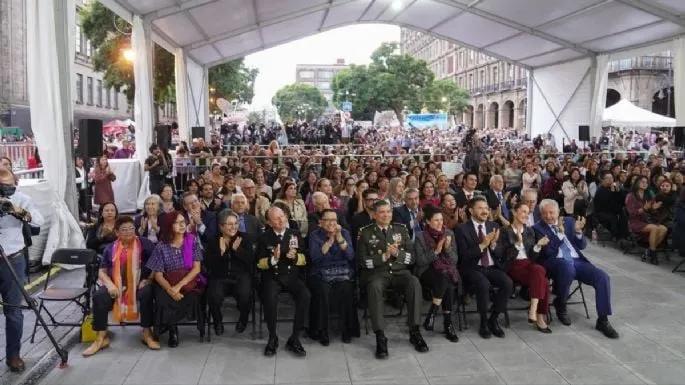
{"x": 679, "y": 80}
{"x": 143, "y": 100}
{"x": 599, "y": 94}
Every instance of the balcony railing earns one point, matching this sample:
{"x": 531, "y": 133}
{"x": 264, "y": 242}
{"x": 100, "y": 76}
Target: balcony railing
{"x": 661, "y": 63}
{"x": 500, "y": 87}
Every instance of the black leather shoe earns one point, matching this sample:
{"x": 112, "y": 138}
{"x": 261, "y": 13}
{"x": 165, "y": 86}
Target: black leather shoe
{"x": 606, "y": 329}
{"x": 323, "y": 338}
{"x": 545, "y": 330}
{"x": 564, "y": 318}
{"x": 494, "y": 328}
{"x": 484, "y": 332}
{"x": 15, "y": 364}
{"x": 240, "y": 326}
{"x": 429, "y": 323}
{"x": 417, "y": 340}
{"x": 173, "y": 336}
{"x": 381, "y": 347}
{"x": 271, "y": 346}
{"x": 346, "y": 337}
{"x": 219, "y": 328}
{"x": 295, "y": 347}
{"x": 450, "y": 332}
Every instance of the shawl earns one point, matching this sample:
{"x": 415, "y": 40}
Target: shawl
{"x": 443, "y": 264}
{"x": 125, "y": 307}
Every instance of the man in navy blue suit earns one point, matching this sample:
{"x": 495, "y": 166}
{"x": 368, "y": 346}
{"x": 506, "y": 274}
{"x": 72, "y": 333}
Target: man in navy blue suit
{"x": 564, "y": 261}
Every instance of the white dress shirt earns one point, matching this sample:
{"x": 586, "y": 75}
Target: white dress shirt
{"x": 485, "y": 232}
{"x": 11, "y": 235}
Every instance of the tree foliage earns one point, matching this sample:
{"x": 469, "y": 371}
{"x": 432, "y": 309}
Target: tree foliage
{"x": 394, "y": 81}
{"x": 110, "y": 35}
{"x": 302, "y": 99}
{"x": 233, "y": 81}
{"x": 255, "y": 117}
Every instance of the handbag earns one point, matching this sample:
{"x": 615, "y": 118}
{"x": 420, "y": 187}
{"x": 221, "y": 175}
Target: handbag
{"x": 175, "y": 276}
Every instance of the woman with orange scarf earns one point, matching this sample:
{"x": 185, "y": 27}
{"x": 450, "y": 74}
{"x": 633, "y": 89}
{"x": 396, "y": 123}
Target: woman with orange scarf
{"x": 126, "y": 286}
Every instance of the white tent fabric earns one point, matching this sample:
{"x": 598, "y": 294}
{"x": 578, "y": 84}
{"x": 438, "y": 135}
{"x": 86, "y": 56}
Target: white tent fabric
{"x": 626, "y": 114}
{"x": 49, "y": 56}
{"x": 143, "y": 102}
{"x": 679, "y": 79}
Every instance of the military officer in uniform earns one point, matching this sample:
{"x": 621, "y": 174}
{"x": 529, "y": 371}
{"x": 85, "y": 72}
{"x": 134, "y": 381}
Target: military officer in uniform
{"x": 383, "y": 254}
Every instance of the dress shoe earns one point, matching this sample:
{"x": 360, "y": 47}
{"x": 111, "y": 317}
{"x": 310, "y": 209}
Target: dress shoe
{"x": 271, "y": 346}
{"x": 381, "y": 346}
{"x": 429, "y": 323}
{"x": 450, "y": 332}
{"x": 149, "y": 341}
{"x": 101, "y": 342}
{"x": 295, "y": 347}
{"x": 173, "y": 336}
{"x": 323, "y": 338}
{"x": 240, "y": 326}
{"x": 564, "y": 318}
{"x": 494, "y": 328}
{"x": 484, "y": 331}
{"x": 417, "y": 340}
{"x": 346, "y": 337}
{"x": 219, "y": 328}
{"x": 545, "y": 330}
{"x": 606, "y": 329}
{"x": 16, "y": 364}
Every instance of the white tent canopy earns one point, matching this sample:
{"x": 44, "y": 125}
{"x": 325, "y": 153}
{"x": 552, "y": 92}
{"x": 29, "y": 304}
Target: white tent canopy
{"x": 626, "y": 114}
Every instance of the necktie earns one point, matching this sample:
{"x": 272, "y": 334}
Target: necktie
{"x": 484, "y": 260}
{"x": 385, "y": 233}
{"x": 469, "y": 196}
{"x": 415, "y": 226}
{"x": 505, "y": 209}
{"x": 565, "y": 250}
{"x": 241, "y": 225}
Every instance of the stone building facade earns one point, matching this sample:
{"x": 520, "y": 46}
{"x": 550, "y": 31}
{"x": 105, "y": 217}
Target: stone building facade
{"x": 498, "y": 90}
{"x": 320, "y": 76}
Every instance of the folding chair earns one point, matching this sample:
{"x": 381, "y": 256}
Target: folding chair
{"x": 59, "y": 293}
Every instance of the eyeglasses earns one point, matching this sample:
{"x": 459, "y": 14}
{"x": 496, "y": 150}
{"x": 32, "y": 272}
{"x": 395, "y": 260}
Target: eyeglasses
{"x": 127, "y": 229}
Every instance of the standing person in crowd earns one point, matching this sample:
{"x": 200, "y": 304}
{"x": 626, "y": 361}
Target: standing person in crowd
{"x": 384, "y": 255}
{"x": 175, "y": 265}
{"x": 102, "y": 176}
{"x": 102, "y": 233}
{"x": 82, "y": 185}
{"x": 480, "y": 253}
{"x": 639, "y": 206}
{"x": 298, "y": 211}
{"x": 281, "y": 260}
{"x": 332, "y": 273}
{"x": 148, "y": 222}
{"x": 230, "y": 261}
{"x": 125, "y": 151}
{"x": 126, "y": 289}
{"x": 608, "y": 207}
{"x": 157, "y": 168}
{"x": 521, "y": 253}
{"x": 23, "y": 213}
{"x": 565, "y": 262}
{"x": 435, "y": 250}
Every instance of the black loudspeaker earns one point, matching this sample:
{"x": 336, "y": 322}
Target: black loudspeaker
{"x": 90, "y": 138}
{"x": 197, "y": 132}
{"x": 163, "y": 136}
{"x": 584, "y": 133}
{"x": 679, "y": 136}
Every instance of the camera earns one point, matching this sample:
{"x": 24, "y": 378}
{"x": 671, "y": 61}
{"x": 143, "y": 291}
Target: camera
{"x": 6, "y": 206}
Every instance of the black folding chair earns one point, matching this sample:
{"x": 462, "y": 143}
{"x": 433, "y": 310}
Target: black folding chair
{"x": 61, "y": 293}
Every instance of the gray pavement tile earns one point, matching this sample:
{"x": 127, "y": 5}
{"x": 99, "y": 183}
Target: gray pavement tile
{"x": 663, "y": 373}
{"x": 402, "y": 363}
{"x": 182, "y": 365}
{"x": 329, "y": 365}
{"x": 462, "y": 358}
{"x": 533, "y": 377}
{"x": 472, "y": 379}
{"x": 238, "y": 362}
{"x": 599, "y": 374}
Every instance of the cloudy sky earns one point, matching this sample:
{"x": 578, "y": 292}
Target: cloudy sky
{"x": 353, "y": 43}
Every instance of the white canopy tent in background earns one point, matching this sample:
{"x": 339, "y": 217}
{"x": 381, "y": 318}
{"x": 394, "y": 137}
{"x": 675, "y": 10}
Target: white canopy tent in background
{"x": 565, "y": 45}
{"x": 626, "y": 114}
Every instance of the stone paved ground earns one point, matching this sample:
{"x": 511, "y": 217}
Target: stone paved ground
{"x": 649, "y": 303}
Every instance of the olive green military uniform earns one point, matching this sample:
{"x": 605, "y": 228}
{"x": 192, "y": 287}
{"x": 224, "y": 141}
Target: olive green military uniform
{"x": 377, "y": 274}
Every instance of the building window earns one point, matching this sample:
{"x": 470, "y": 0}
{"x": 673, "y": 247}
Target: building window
{"x": 450, "y": 64}
{"x": 470, "y": 81}
{"x": 324, "y": 86}
{"x": 89, "y": 48}
{"x": 79, "y": 39}
{"x": 482, "y": 79}
{"x": 89, "y": 90}
{"x": 306, "y": 74}
{"x": 79, "y": 88}
{"x": 495, "y": 75}
{"x": 99, "y": 100}
{"x": 108, "y": 98}
{"x": 116, "y": 99}
{"x": 510, "y": 70}
{"x": 325, "y": 75}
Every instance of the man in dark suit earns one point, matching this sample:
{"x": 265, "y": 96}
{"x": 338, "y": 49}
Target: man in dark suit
{"x": 409, "y": 214}
{"x": 479, "y": 265}
{"x": 281, "y": 262}
{"x": 468, "y": 192}
{"x": 564, "y": 261}
{"x": 200, "y": 222}
{"x": 529, "y": 197}
{"x": 365, "y": 218}
{"x": 496, "y": 196}
{"x": 322, "y": 203}
{"x": 209, "y": 200}
{"x": 248, "y": 224}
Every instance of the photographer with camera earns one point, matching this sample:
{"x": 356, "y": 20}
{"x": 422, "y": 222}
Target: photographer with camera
{"x": 158, "y": 167}
{"x": 19, "y": 217}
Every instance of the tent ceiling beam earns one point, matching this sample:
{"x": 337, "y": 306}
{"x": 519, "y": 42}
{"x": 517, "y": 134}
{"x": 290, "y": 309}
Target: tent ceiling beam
{"x": 266, "y": 23}
{"x": 574, "y": 14}
{"x": 255, "y": 10}
{"x": 199, "y": 28}
{"x": 178, "y": 8}
{"x": 366, "y": 10}
{"x": 654, "y": 10}
{"x": 404, "y": 9}
{"x": 518, "y": 27}
{"x": 323, "y": 19}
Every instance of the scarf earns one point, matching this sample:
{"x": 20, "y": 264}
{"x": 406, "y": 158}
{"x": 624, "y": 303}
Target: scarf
{"x": 126, "y": 306}
{"x": 188, "y": 245}
{"x": 443, "y": 264}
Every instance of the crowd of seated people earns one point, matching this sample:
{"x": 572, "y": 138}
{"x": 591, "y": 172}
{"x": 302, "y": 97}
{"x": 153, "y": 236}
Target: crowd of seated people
{"x": 335, "y": 233}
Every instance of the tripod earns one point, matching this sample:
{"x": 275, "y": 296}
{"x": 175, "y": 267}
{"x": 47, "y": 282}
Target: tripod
{"x": 31, "y": 304}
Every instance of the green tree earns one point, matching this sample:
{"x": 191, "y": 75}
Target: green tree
{"x": 354, "y": 85}
{"x": 445, "y": 95}
{"x": 233, "y": 81}
{"x": 255, "y": 117}
{"x": 302, "y": 99}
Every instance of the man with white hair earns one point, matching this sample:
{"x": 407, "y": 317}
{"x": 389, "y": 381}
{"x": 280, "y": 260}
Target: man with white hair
{"x": 247, "y": 223}
{"x": 321, "y": 202}
{"x": 564, "y": 261}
